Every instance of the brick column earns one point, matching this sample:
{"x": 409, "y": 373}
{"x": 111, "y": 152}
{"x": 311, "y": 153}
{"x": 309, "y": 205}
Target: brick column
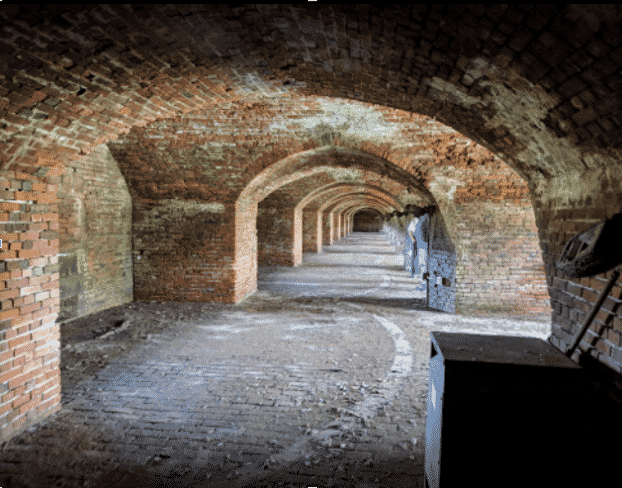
{"x": 327, "y": 236}
{"x": 310, "y": 240}
{"x": 29, "y": 287}
{"x": 337, "y": 230}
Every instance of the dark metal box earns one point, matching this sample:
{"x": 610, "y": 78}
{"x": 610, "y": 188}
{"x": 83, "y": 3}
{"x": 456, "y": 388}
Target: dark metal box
{"x": 500, "y": 411}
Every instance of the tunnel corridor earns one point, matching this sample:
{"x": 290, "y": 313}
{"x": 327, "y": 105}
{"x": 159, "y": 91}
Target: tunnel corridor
{"x": 190, "y": 204}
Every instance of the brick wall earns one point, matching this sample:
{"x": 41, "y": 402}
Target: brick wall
{"x": 566, "y": 206}
{"x": 177, "y": 159}
{"x": 499, "y": 265}
{"x": 29, "y": 287}
{"x": 183, "y": 250}
{"x": 95, "y": 236}
{"x": 536, "y": 84}
{"x": 489, "y": 217}
{"x": 327, "y": 227}
{"x": 275, "y": 237}
{"x": 347, "y": 216}
{"x": 488, "y": 221}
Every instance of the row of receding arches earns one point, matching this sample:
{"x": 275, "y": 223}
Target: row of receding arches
{"x": 535, "y": 84}
{"x": 314, "y": 219}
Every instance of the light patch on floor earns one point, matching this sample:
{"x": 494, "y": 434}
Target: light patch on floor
{"x": 310, "y": 326}
{"x": 223, "y": 328}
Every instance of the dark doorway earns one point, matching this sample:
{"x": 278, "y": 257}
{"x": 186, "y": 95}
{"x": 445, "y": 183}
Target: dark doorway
{"x": 367, "y": 221}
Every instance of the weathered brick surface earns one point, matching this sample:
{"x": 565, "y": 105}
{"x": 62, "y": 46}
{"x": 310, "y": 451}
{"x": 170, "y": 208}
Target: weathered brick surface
{"x": 180, "y": 250}
{"x": 227, "y": 117}
{"x": 275, "y": 237}
{"x": 311, "y": 229}
{"x": 487, "y": 222}
{"x": 567, "y": 206}
{"x": 95, "y": 258}
{"x": 29, "y": 339}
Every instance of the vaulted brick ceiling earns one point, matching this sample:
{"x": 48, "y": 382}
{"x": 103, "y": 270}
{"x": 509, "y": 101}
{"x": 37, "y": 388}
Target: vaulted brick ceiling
{"x": 537, "y": 85}
{"x": 163, "y": 152}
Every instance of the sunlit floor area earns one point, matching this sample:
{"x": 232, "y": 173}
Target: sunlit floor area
{"x": 318, "y": 379}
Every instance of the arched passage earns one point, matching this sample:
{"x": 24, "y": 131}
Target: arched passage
{"x": 331, "y": 209}
{"x": 287, "y": 224}
{"x": 367, "y": 221}
{"x": 536, "y": 85}
{"x": 308, "y": 210}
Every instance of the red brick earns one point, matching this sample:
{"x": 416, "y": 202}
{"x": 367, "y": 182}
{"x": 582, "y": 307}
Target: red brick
{"x": 21, "y": 400}
{"x": 34, "y": 253}
{"x": 8, "y": 314}
{"x": 29, "y": 236}
{"x": 9, "y": 294}
{"x": 52, "y": 403}
{"x": 23, "y": 319}
{"x": 10, "y": 375}
{"x": 30, "y": 308}
{"x": 5, "y": 408}
{"x": 9, "y": 206}
{"x": 24, "y": 195}
{"x": 19, "y": 340}
{"x": 26, "y": 348}
{"x": 46, "y": 198}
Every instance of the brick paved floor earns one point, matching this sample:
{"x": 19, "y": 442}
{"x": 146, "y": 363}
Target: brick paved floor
{"x": 319, "y": 379}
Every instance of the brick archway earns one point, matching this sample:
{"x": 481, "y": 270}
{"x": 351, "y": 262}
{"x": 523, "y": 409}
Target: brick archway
{"x": 536, "y": 86}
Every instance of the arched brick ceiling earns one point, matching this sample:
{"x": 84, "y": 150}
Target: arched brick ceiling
{"x": 364, "y": 195}
{"x": 352, "y": 211}
{"x": 289, "y": 195}
{"x": 382, "y": 210}
{"x": 369, "y": 202}
{"x": 370, "y": 179}
{"x": 304, "y": 189}
{"x": 537, "y": 85}
{"x": 317, "y": 200}
{"x": 341, "y": 163}
{"x": 365, "y": 203}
